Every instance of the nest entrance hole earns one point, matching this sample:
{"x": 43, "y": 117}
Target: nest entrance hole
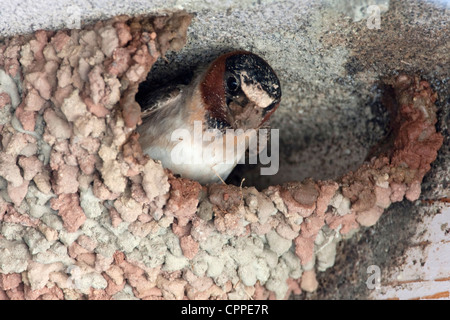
{"x": 319, "y": 148}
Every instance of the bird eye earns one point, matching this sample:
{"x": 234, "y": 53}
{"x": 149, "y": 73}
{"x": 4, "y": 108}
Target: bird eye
{"x": 232, "y": 84}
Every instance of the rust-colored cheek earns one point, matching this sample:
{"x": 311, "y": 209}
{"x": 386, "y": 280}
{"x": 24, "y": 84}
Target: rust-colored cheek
{"x": 213, "y": 91}
{"x": 212, "y": 87}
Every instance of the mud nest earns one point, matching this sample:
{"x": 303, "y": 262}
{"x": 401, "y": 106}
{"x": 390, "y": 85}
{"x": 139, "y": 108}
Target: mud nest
{"x": 85, "y": 215}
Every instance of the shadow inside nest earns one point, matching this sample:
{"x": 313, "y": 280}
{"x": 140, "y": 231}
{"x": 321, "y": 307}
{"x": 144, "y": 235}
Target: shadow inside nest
{"x": 326, "y": 151}
{"x": 316, "y": 150}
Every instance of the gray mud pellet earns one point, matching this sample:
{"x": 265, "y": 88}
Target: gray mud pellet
{"x": 278, "y": 244}
{"x": 36, "y": 241}
{"x": 14, "y": 256}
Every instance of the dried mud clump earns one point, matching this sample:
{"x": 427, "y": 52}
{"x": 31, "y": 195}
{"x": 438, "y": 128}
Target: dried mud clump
{"x": 85, "y": 215}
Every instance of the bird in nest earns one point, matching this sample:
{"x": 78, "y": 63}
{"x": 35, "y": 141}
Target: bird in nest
{"x": 202, "y": 129}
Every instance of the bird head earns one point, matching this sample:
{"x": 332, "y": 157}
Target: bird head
{"x": 240, "y": 91}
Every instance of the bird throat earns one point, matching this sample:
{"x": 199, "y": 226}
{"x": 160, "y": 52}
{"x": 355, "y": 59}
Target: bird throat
{"x": 244, "y": 117}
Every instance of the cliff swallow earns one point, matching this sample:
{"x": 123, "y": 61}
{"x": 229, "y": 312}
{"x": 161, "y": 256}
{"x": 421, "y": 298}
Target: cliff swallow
{"x": 238, "y": 90}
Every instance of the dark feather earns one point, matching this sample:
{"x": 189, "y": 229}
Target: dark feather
{"x": 154, "y": 100}
{"x": 155, "y": 94}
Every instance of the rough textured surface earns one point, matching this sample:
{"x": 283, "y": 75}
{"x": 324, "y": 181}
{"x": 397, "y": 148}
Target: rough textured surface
{"x": 134, "y": 231}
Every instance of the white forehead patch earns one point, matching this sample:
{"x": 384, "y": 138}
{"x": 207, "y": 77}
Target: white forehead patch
{"x": 255, "y": 93}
